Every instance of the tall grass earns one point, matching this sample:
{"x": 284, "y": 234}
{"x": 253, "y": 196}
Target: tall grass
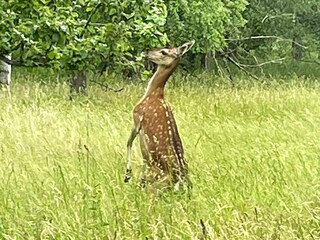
{"x": 253, "y": 152}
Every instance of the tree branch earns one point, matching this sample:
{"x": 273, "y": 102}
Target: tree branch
{"x": 310, "y": 61}
{"x": 279, "y": 60}
{"x": 106, "y": 87}
{"x": 9, "y": 61}
{"x": 267, "y": 17}
{"x": 241, "y": 68}
{"x": 267, "y": 37}
{"x": 36, "y": 61}
{"x": 90, "y": 17}
{"x": 233, "y": 83}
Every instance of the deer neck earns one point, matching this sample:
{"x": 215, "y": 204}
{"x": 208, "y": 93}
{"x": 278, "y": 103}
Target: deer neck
{"x": 159, "y": 79}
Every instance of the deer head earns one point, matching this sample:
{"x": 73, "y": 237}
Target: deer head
{"x": 165, "y": 56}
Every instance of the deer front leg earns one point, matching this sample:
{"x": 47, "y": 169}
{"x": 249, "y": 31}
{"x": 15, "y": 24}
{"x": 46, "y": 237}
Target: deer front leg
{"x": 146, "y": 158}
{"x": 134, "y": 132}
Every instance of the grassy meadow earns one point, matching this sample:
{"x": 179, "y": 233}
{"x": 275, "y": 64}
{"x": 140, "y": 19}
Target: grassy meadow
{"x": 253, "y": 153}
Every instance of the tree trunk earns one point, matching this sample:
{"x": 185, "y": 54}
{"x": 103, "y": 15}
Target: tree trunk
{"x": 78, "y": 83}
{"x": 5, "y": 73}
{"x": 297, "y": 42}
{"x": 208, "y": 61}
{"x": 296, "y": 48}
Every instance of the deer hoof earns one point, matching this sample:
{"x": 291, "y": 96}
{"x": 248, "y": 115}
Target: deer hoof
{"x": 128, "y": 176}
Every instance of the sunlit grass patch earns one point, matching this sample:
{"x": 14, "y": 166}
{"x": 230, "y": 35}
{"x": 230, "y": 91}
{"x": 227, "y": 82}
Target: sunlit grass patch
{"x": 253, "y": 153}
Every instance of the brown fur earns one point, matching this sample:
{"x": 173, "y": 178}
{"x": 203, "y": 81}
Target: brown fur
{"x": 160, "y": 141}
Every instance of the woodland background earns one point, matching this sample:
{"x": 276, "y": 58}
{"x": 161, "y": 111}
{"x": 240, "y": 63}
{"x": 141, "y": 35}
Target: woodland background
{"x": 79, "y": 38}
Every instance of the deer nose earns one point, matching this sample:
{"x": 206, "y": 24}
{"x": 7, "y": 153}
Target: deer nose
{"x": 145, "y": 53}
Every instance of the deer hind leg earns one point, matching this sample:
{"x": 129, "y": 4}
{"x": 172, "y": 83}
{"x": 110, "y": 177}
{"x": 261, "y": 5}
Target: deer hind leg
{"x": 181, "y": 178}
{"x": 143, "y": 179}
{"x": 134, "y": 132}
{"x": 146, "y": 157}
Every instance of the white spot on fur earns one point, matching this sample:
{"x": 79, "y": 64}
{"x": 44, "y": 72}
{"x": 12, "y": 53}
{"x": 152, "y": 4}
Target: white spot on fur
{"x": 155, "y": 139}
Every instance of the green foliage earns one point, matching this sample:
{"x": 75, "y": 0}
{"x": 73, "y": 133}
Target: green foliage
{"x": 253, "y": 155}
{"x": 208, "y": 22}
{"x": 76, "y": 35}
{"x": 79, "y": 34}
{"x": 286, "y": 20}
{"x": 88, "y": 34}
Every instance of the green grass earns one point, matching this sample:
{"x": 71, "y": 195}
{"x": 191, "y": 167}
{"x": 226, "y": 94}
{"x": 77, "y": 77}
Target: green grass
{"x": 253, "y": 152}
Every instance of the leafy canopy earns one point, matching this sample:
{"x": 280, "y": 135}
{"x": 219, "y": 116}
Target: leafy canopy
{"x": 82, "y": 34}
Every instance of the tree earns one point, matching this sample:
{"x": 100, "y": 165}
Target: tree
{"x": 86, "y": 35}
{"x": 291, "y": 28}
{"x": 208, "y": 22}
{"x": 5, "y": 74}
{"x": 78, "y": 36}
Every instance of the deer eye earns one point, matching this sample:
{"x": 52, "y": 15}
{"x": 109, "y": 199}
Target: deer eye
{"x": 164, "y": 52}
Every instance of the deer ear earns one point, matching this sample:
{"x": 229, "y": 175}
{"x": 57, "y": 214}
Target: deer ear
{"x": 185, "y": 47}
